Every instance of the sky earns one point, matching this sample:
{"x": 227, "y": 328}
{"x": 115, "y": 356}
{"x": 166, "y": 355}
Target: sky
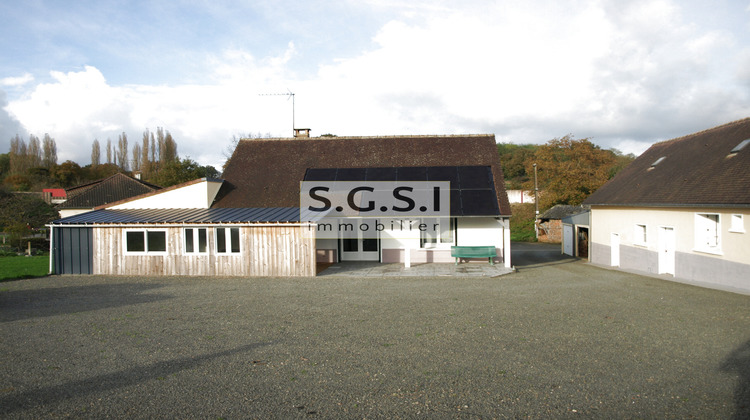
{"x": 623, "y": 73}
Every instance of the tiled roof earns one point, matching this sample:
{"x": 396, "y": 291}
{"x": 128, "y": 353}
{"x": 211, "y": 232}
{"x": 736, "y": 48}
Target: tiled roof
{"x": 108, "y": 190}
{"x": 186, "y": 216}
{"x": 267, "y": 172}
{"x": 55, "y": 192}
{"x": 561, "y": 210}
{"x": 695, "y": 170}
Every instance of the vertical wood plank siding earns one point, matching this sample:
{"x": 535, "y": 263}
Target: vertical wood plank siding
{"x": 265, "y": 251}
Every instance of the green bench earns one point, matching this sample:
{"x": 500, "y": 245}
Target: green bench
{"x": 474, "y": 252}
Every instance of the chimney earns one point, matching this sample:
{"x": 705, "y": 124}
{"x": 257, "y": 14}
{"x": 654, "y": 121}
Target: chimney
{"x": 301, "y": 132}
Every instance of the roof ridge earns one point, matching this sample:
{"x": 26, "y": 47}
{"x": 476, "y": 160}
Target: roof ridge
{"x": 396, "y": 136}
{"x": 698, "y": 133}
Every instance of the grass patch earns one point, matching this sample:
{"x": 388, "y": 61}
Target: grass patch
{"x": 522, "y": 223}
{"x": 20, "y": 267}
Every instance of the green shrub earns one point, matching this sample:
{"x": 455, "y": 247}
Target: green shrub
{"x": 522, "y": 223}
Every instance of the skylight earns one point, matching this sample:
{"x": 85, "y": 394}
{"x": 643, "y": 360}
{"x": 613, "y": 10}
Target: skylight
{"x": 658, "y": 161}
{"x": 740, "y": 146}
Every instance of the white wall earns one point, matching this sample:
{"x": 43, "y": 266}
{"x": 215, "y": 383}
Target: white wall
{"x": 605, "y": 221}
{"x": 72, "y": 212}
{"x": 194, "y": 196}
{"x": 476, "y": 231}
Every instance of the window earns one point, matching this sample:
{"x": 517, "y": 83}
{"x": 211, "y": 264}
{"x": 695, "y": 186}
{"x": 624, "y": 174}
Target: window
{"x": 227, "y": 240}
{"x": 196, "y": 240}
{"x": 639, "y": 237}
{"x": 738, "y": 224}
{"x": 437, "y": 231}
{"x": 707, "y": 232}
{"x": 145, "y": 241}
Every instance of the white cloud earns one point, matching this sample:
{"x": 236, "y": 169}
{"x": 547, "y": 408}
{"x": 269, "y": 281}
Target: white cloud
{"x": 16, "y": 81}
{"x": 626, "y": 73}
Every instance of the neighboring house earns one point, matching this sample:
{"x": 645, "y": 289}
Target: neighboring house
{"x": 250, "y": 224}
{"x": 54, "y": 195}
{"x": 549, "y": 223}
{"x": 680, "y": 209}
{"x": 520, "y": 196}
{"x": 87, "y": 197}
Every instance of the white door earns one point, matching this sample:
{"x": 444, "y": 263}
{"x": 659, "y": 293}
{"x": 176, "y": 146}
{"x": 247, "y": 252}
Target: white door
{"x": 568, "y": 240}
{"x": 614, "y": 244}
{"x": 666, "y": 250}
{"x": 361, "y": 244}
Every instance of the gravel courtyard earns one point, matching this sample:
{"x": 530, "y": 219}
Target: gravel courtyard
{"x": 557, "y": 339}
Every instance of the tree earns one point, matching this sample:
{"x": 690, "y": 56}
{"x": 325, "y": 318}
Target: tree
{"x": 169, "y": 154}
{"x": 68, "y": 173}
{"x": 49, "y": 147}
{"x": 122, "y": 151}
{"x": 136, "y": 157}
{"x": 145, "y": 162}
{"x": 109, "y": 151}
{"x": 95, "y": 154}
{"x": 34, "y": 152}
{"x": 19, "y": 213}
{"x": 569, "y": 170}
{"x": 182, "y": 170}
{"x": 513, "y": 157}
{"x": 17, "y": 155}
{"x": 4, "y": 164}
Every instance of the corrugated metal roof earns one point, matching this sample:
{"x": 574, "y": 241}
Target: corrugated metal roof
{"x": 198, "y": 216}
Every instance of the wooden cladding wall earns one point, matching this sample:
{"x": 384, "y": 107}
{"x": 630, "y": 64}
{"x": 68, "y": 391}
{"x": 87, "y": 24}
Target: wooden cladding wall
{"x": 265, "y": 251}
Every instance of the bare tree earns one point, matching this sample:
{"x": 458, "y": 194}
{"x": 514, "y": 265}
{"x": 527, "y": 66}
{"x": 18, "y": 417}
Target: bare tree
{"x": 145, "y": 162}
{"x": 137, "y": 157}
{"x": 109, "y": 151}
{"x": 17, "y": 155}
{"x": 122, "y": 151}
{"x": 170, "y": 149}
{"x": 50, "y": 152}
{"x": 95, "y": 154}
{"x": 34, "y": 152}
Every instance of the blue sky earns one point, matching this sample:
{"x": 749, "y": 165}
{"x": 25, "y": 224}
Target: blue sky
{"x": 625, "y": 73}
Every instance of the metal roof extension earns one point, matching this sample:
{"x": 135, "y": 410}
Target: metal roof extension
{"x": 183, "y": 216}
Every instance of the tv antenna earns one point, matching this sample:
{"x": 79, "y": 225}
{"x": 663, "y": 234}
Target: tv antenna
{"x": 289, "y": 94}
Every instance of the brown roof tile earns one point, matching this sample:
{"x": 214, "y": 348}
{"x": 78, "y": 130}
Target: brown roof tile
{"x": 108, "y": 190}
{"x": 697, "y": 170}
{"x": 267, "y": 172}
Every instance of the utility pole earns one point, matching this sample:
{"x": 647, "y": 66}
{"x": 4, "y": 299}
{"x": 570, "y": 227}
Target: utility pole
{"x": 536, "y": 205}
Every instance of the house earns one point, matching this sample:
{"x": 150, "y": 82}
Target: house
{"x": 549, "y": 224}
{"x": 680, "y": 209}
{"x": 520, "y": 196}
{"x": 54, "y": 195}
{"x": 252, "y": 222}
{"x": 86, "y": 197}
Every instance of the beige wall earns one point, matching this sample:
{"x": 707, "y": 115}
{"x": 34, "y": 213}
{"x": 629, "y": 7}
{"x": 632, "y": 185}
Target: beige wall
{"x": 734, "y": 246}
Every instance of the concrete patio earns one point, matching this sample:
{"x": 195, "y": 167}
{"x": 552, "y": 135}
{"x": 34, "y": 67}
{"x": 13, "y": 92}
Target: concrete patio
{"x": 376, "y": 269}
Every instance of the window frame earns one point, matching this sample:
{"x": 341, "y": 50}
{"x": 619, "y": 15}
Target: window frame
{"x": 438, "y": 243}
{"x": 704, "y": 222}
{"x": 737, "y": 227}
{"x": 145, "y": 232}
{"x": 195, "y": 239}
{"x": 640, "y": 234}
{"x": 227, "y": 240}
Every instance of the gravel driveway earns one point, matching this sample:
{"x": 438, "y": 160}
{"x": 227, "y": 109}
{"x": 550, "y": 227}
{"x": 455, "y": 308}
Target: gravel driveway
{"x": 558, "y": 339}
